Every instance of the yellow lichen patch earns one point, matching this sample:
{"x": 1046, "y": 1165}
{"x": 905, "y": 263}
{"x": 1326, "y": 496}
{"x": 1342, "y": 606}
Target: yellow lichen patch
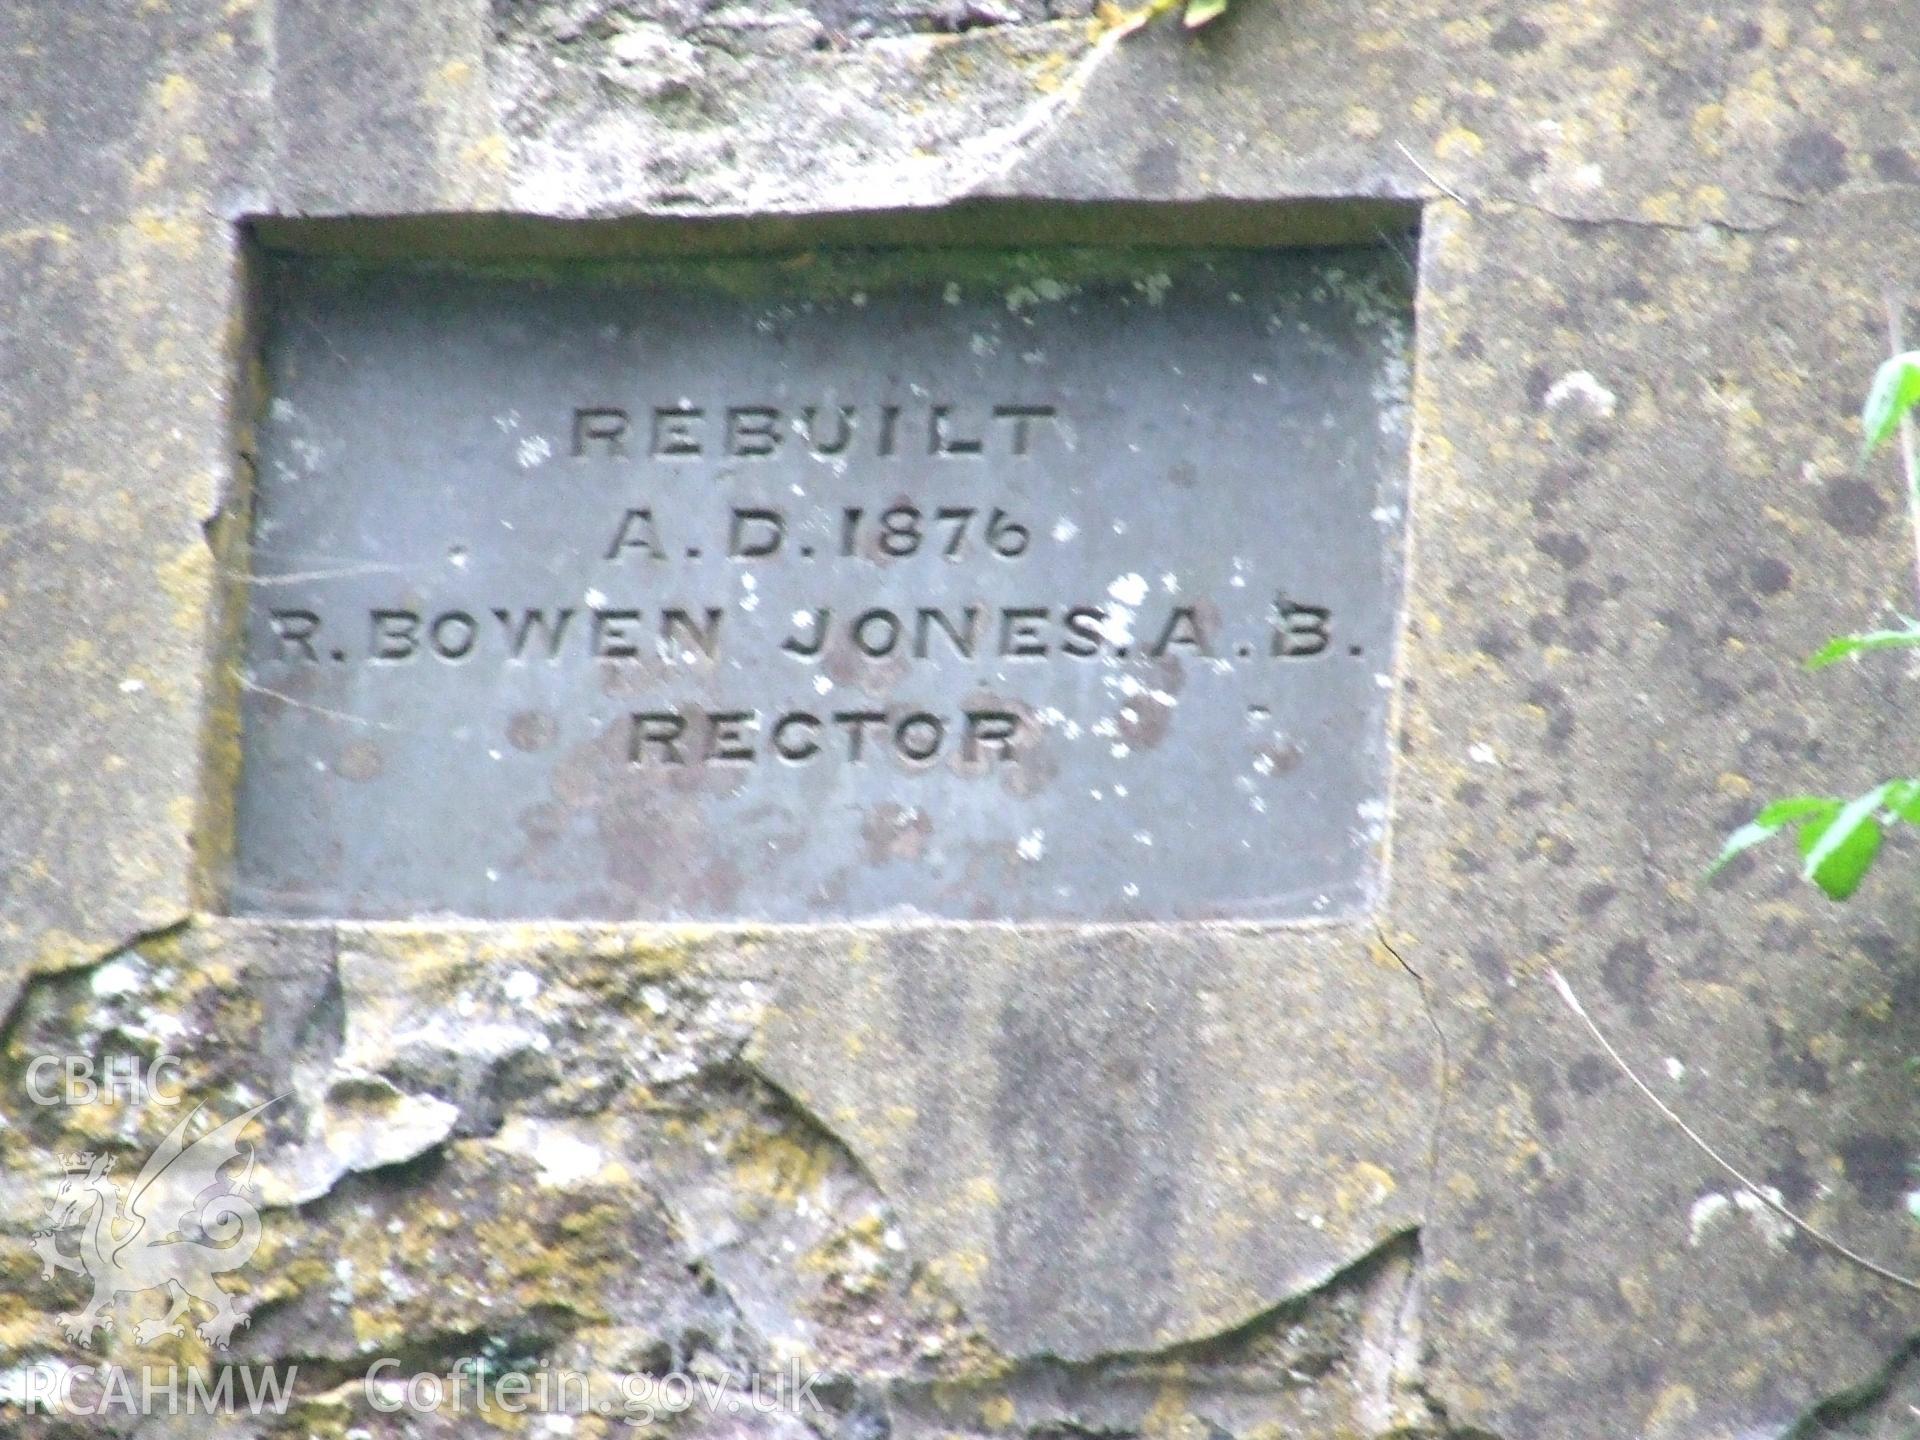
{"x": 1829, "y": 1048}
{"x": 489, "y": 152}
{"x": 175, "y": 91}
{"x": 23, "y": 1328}
{"x": 186, "y": 579}
{"x": 778, "y": 1167}
{"x": 1638, "y": 1294}
{"x": 1672, "y": 1413}
{"x": 1364, "y": 1187}
{"x": 168, "y": 230}
{"x": 1459, "y": 143}
{"x": 1374, "y": 42}
{"x": 966, "y": 1266}
{"x": 1171, "y": 1416}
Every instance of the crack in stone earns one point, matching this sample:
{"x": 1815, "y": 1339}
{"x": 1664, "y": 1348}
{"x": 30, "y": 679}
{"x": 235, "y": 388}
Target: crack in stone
{"x": 1469, "y": 200}
{"x": 16, "y": 986}
{"x": 1406, "y": 1311}
{"x": 1865, "y": 1410}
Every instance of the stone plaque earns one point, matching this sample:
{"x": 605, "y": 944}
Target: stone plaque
{"x": 1049, "y": 587}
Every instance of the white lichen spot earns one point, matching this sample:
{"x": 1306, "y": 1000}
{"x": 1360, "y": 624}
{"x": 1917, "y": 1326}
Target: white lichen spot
{"x": 952, "y": 293}
{"x": 1481, "y": 753}
{"x": 521, "y": 986}
{"x": 1713, "y": 1206}
{"x": 1064, "y": 530}
{"x": 1675, "y": 1070}
{"x": 1128, "y": 589}
{"x": 1043, "y": 290}
{"x": 1705, "y": 1212}
{"x": 1054, "y": 718}
{"x": 821, "y": 685}
{"x": 118, "y": 977}
{"x": 533, "y": 450}
{"x": 562, "y": 1158}
{"x": 1772, "y": 1225}
{"x": 1130, "y": 890}
{"x": 1154, "y": 286}
{"x": 594, "y": 598}
{"x": 1032, "y": 845}
{"x": 1143, "y": 837}
{"x": 1581, "y": 386}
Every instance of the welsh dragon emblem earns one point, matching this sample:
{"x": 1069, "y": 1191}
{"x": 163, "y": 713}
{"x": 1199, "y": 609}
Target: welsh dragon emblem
{"x": 138, "y": 1239}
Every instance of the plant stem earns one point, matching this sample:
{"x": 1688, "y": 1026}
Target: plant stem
{"x": 1908, "y": 455}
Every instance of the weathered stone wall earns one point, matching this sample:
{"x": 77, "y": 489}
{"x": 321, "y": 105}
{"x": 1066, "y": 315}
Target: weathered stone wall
{"x": 1175, "y": 1181}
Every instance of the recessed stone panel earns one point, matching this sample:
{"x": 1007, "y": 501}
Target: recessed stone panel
{"x": 1045, "y": 587}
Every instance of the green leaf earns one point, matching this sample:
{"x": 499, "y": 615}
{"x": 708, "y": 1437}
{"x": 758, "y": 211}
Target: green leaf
{"x": 1199, "y": 12}
{"x": 1770, "y": 822}
{"x": 1895, "y": 391}
{"x": 1902, "y": 801}
{"x": 1837, "y": 852}
{"x": 1845, "y": 647}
